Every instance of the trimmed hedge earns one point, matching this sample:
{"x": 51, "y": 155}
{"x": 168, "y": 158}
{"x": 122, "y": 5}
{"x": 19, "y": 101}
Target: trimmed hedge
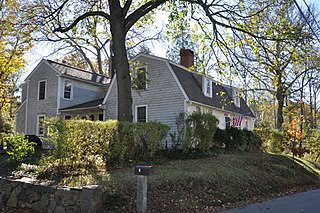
{"x": 84, "y": 141}
{"x": 234, "y": 138}
{"x": 200, "y": 130}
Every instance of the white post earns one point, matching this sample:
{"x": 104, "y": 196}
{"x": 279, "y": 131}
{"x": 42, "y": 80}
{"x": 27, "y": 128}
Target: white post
{"x": 142, "y": 188}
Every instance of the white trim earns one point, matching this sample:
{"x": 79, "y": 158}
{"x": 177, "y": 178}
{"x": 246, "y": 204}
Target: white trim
{"x": 109, "y": 90}
{"x": 77, "y": 109}
{"x": 58, "y": 94}
{"x": 45, "y": 90}
{"x": 21, "y": 105}
{"x": 177, "y": 81}
{"x": 71, "y": 91}
{"x": 27, "y": 103}
{"x": 146, "y": 71}
{"x": 43, "y": 61}
{"x": 218, "y": 109}
{"x": 136, "y": 112}
{"x": 206, "y": 80}
{"x": 37, "y": 130}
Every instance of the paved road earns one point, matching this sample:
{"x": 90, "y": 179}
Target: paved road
{"x": 308, "y": 202}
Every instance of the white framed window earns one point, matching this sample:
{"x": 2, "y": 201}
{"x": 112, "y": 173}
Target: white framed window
{"x": 227, "y": 121}
{"x": 198, "y": 109}
{"x": 141, "y": 114}
{"x": 41, "y": 129}
{"x": 207, "y": 86}
{"x": 42, "y": 88}
{"x": 67, "y": 92}
{"x": 236, "y": 98}
{"x": 141, "y": 78}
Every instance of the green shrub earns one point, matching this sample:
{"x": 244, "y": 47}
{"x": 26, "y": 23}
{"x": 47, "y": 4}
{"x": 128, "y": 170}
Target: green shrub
{"x": 81, "y": 145}
{"x": 252, "y": 140}
{"x": 179, "y": 136}
{"x": 312, "y": 141}
{"x": 141, "y": 140}
{"x": 234, "y": 138}
{"x": 200, "y": 132}
{"x": 220, "y": 138}
{"x": 272, "y": 140}
{"x": 19, "y": 148}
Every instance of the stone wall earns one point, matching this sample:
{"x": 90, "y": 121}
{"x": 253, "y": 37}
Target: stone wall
{"x": 49, "y": 199}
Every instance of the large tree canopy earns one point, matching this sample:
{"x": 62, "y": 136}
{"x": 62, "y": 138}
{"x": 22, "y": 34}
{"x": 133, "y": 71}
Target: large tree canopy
{"x": 121, "y": 16}
{"x": 15, "y": 39}
{"x": 277, "y": 65}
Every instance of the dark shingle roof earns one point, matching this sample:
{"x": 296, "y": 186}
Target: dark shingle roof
{"x": 94, "y": 103}
{"x": 221, "y": 96}
{"x": 67, "y": 70}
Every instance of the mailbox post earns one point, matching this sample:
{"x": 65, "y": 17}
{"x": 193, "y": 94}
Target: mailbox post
{"x": 142, "y": 172}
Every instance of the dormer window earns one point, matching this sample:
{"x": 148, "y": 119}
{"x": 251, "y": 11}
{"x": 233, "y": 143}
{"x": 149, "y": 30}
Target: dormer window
{"x": 207, "y": 86}
{"x": 236, "y": 98}
{"x": 140, "y": 79}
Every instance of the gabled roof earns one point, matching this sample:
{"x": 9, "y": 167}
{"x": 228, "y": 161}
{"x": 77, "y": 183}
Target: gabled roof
{"x": 74, "y": 72}
{"x": 86, "y": 105}
{"x": 191, "y": 83}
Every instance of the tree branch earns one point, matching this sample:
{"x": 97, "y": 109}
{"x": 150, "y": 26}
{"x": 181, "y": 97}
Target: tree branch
{"x": 80, "y": 18}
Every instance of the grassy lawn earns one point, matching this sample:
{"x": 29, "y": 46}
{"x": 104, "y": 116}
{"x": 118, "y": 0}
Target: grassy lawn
{"x": 208, "y": 184}
{"x": 204, "y": 185}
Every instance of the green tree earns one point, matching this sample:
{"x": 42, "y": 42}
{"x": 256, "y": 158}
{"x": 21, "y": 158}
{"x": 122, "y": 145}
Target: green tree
{"x": 276, "y": 64}
{"x": 15, "y": 39}
{"x": 123, "y": 15}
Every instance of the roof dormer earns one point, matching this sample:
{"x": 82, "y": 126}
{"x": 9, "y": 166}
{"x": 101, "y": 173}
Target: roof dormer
{"x": 236, "y": 98}
{"x": 207, "y": 86}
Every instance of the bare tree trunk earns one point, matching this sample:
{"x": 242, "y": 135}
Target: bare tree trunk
{"x": 311, "y": 106}
{"x": 280, "y": 100}
{"x": 121, "y": 63}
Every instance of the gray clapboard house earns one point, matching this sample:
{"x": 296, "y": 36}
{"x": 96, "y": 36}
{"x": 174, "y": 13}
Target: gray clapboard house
{"x": 171, "y": 88}
{"x": 54, "y": 89}
{"x": 162, "y": 90}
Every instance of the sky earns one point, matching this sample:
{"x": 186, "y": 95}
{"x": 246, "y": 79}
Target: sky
{"x": 42, "y": 50}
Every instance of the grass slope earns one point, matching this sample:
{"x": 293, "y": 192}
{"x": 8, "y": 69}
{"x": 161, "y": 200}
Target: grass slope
{"x": 205, "y": 185}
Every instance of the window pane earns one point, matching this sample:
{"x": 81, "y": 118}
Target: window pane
{"x": 41, "y": 127}
{"x": 141, "y": 114}
{"x": 142, "y": 78}
{"x": 67, "y": 89}
{"x": 42, "y": 90}
{"x": 227, "y": 120}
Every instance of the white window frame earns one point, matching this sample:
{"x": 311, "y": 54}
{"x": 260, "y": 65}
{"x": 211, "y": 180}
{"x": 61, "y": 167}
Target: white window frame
{"x": 198, "y": 109}
{"x": 236, "y": 98}
{"x": 38, "y": 125}
{"x": 146, "y": 71}
{"x": 45, "y": 90}
{"x": 205, "y": 82}
{"x": 71, "y": 90}
{"x": 136, "y": 112}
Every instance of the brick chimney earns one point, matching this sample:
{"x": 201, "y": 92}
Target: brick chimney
{"x": 186, "y": 57}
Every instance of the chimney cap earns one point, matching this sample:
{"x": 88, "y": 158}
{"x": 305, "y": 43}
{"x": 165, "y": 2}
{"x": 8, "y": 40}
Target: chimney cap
{"x": 186, "y": 57}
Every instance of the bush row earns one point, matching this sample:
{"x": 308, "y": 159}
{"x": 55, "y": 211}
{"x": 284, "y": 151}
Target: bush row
{"x": 199, "y": 132}
{"x": 116, "y": 142}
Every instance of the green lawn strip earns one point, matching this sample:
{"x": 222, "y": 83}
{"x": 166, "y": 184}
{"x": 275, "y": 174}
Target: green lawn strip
{"x": 202, "y": 184}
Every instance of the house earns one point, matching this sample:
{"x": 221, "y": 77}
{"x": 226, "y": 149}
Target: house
{"x": 171, "y": 88}
{"x": 58, "y": 89}
{"x": 161, "y": 90}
